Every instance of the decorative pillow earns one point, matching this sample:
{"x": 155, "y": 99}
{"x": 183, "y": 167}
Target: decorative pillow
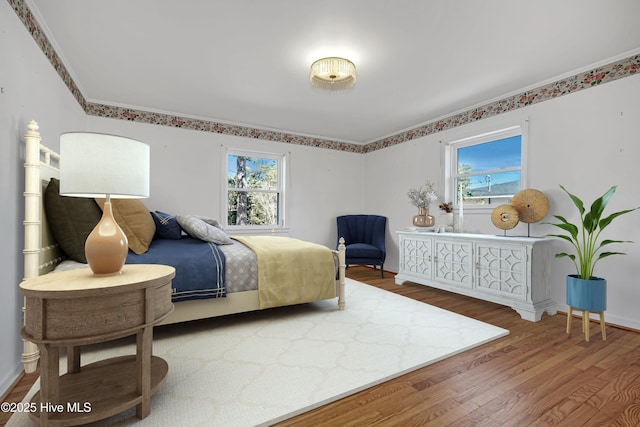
{"x": 202, "y": 228}
{"x": 167, "y": 226}
{"x": 209, "y": 221}
{"x": 135, "y": 220}
{"x": 71, "y": 220}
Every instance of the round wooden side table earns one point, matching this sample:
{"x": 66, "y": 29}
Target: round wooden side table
{"x": 75, "y": 308}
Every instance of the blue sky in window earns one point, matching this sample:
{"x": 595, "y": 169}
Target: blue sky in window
{"x": 493, "y": 156}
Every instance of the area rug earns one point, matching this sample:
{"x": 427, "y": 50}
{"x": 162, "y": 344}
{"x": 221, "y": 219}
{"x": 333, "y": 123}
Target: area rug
{"x": 263, "y": 367}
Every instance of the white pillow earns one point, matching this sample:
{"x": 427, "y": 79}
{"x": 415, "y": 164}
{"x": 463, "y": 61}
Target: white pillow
{"x": 204, "y": 229}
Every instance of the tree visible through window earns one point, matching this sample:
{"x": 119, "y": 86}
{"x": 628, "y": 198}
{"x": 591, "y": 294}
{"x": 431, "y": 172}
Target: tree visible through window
{"x": 254, "y": 189}
{"x": 487, "y": 169}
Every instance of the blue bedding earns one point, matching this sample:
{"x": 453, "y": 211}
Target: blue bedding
{"x": 200, "y": 266}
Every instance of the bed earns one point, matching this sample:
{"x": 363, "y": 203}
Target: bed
{"x": 43, "y": 254}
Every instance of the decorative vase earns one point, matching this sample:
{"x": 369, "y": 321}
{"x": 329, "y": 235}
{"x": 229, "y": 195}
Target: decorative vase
{"x": 423, "y": 219}
{"x": 590, "y": 295}
{"x": 449, "y": 219}
{"x": 106, "y": 247}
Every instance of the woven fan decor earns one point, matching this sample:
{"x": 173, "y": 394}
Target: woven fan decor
{"x": 532, "y": 205}
{"x": 505, "y": 217}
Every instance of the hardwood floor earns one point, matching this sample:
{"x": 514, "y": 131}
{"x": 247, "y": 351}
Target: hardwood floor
{"x": 536, "y": 376}
{"x": 17, "y": 393}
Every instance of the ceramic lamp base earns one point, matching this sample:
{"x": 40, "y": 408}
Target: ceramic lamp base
{"x": 106, "y": 247}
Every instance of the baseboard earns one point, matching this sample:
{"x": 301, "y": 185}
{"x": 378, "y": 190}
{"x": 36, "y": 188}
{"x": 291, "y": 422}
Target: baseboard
{"x": 597, "y": 320}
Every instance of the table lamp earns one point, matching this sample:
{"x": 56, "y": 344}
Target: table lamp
{"x": 104, "y": 166}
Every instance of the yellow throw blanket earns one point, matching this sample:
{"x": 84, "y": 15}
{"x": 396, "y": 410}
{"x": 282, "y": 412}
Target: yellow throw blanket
{"x": 291, "y": 271}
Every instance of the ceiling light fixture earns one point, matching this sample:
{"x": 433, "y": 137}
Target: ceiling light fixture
{"x": 333, "y": 73}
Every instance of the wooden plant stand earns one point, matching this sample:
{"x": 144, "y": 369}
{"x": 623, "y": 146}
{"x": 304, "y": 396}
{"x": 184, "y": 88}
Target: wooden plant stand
{"x": 585, "y": 322}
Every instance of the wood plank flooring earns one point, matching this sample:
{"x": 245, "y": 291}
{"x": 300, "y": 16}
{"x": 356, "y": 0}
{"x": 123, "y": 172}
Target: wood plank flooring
{"x": 536, "y": 376}
{"x": 17, "y": 393}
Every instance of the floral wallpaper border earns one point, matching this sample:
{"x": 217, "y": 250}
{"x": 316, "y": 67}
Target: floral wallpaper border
{"x": 623, "y": 68}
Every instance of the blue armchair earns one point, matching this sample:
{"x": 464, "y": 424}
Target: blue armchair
{"x": 364, "y": 237}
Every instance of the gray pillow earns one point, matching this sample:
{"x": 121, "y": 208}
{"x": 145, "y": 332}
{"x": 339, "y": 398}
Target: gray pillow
{"x": 203, "y": 228}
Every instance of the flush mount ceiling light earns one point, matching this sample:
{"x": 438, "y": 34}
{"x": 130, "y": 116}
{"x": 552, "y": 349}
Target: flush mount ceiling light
{"x": 333, "y": 73}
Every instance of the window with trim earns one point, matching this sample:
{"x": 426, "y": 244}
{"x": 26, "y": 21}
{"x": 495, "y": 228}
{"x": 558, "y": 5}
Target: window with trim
{"x": 254, "y": 190}
{"x": 486, "y": 169}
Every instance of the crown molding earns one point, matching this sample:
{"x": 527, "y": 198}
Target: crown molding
{"x": 601, "y": 74}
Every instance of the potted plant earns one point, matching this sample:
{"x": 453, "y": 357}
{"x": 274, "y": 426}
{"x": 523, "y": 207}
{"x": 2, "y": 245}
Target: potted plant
{"x": 584, "y": 290}
{"x": 422, "y": 198}
{"x": 447, "y": 207}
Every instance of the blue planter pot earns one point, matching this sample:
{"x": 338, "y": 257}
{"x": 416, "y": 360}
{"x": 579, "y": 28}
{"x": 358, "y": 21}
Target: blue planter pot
{"x": 590, "y": 295}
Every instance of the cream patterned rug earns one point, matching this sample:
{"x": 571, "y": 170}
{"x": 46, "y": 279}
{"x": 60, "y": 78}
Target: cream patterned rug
{"x": 263, "y": 367}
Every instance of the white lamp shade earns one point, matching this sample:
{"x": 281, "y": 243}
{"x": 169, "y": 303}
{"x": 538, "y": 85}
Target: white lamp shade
{"x": 96, "y": 165}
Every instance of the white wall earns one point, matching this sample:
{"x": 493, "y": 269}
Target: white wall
{"x": 30, "y": 89}
{"x": 186, "y": 176}
{"x": 586, "y": 141}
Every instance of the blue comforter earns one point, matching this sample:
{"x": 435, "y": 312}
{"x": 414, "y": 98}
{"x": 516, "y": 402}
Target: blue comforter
{"x": 200, "y": 266}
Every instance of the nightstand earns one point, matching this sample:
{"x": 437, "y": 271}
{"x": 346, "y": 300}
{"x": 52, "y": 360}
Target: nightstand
{"x": 74, "y": 308}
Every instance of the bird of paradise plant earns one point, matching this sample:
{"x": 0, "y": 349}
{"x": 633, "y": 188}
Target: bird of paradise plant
{"x": 585, "y": 235}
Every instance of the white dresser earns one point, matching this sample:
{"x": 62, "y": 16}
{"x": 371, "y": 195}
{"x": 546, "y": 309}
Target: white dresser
{"x": 512, "y": 271}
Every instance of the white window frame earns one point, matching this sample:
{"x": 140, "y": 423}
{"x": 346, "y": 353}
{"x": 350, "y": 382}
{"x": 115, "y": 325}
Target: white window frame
{"x": 283, "y": 160}
{"x": 451, "y": 161}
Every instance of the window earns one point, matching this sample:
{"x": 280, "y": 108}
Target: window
{"x": 486, "y": 169}
{"x": 254, "y": 190}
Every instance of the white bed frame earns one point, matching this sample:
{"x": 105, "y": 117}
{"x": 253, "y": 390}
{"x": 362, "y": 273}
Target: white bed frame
{"x": 42, "y": 254}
